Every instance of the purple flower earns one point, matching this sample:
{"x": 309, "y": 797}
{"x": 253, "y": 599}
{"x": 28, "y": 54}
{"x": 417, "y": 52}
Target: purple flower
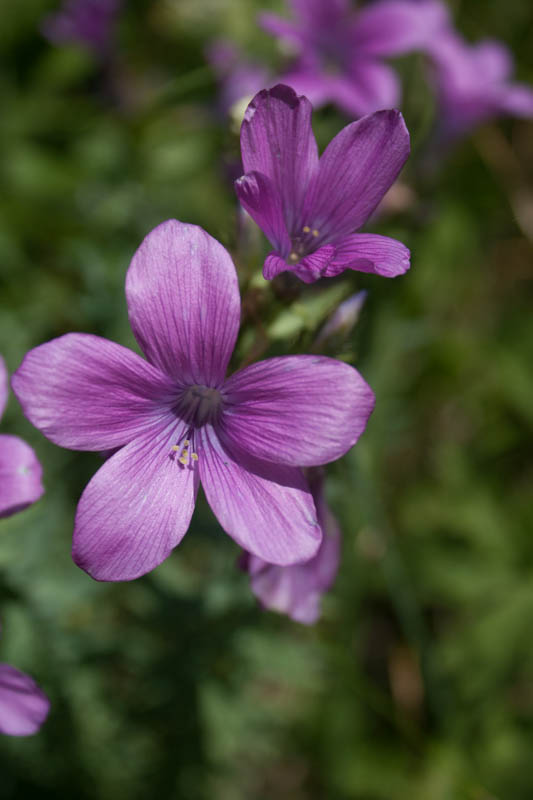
{"x": 239, "y": 80}
{"x": 309, "y": 208}
{"x": 20, "y": 472}
{"x": 178, "y": 421}
{"x": 23, "y": 706}
{"x": 473, "y": 83}
{"x": 339, "y": 53}
{"x": 297, "y": 590}
{"x": 88, "y": 22}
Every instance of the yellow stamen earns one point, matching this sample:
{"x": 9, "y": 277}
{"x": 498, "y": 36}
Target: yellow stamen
{"x": 176, "y": 448}
{"x": 306, "y": 229}
{"x": 293, "y": 257}
{"x": 186, "y": 443}
{"x": 315, "y": 232}
{"x": 194, "y": 456}
{"x": 183, "y": 460}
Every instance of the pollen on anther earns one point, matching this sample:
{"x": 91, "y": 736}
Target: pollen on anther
{"x": 183, "y": 460}
{"x": 186, "y": 442}
{"x": 293, "y": 257}
{"x": 194, "y": 456}
{"x": 306, "y": 229}
{"x": 176, "y": 448}
{"x": 316, "y": 232}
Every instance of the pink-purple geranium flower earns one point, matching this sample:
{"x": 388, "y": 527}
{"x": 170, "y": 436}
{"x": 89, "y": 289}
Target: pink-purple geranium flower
{"x": 473, "y": 84}
{"x": 310, "y": 208}
{"x": 20, "y": 472}
{"x": 339, "y": 52}
{"x": 297, "y": 590}
{"x": 178, "y": 421}
{"x": 87, "y": 22}
{"x": 23, "y": 705}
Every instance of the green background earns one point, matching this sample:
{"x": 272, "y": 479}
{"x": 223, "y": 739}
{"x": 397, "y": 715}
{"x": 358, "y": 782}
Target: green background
{"x": 417, "y": 683}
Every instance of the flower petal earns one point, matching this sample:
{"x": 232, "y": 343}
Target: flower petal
{"x": 258, "y": 197}
{"x": 273, "y": 265}
{"x": 277, "y": 140}
{"x": 281, "y": 28}
{"x": 135, "y": 510}
{"x": 20, "y": 475}
{"x": 23, "y": 705}
{"x": 297, "y": 410}
{"x": 315, "y": 265}
{"x": 370, "y": 86}
{"x": 4, "y": 388}
{"x": 516, "y": 99}
{"x": 369, "y": 252}
{"x": 88, "y": 393}
{"x": 184, "y": 304}
{"x": 268, "y": 509}
{"x": 296, "y": 590}
{"x": 357, "y": 168}
{"x": 393, "y": 27}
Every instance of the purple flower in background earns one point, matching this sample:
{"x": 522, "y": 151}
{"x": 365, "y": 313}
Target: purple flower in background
{"x": 473, "y": 83}
{"x": 23, "y": 706}
{"x": 239, "y": 80}
{"x": 308, "y": 207}
{"x": 340, "y": 53}
{"x": 297, "y": 590}
{"x": 20, "y": 472}
{"x": 178, "y": 421}
{"x": 88, "y": 22}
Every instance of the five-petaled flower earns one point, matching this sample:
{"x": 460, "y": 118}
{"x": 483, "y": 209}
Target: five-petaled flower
{"x": 339, "y": 54}
{"x": 177, "y": 420}
{"x": 20, "y": 472}
{"x": 308, "y": 207}
{"x": 297, "y": 590}
{"x": 473, "y": 84}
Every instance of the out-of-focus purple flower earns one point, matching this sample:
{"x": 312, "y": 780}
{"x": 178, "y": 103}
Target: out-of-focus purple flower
{"x": 473, "y": 83}
{"x": 340, "y": 53}
{"x": 178, "y": 421}
{"x": 23, "y": 705}
{"x": 297, "y": 590}
{"x": 20, "y": 472}
{"x": 87, "y": 22}
{"x": 308, "y": 207}
{"x": 343, "y": 318}
{"x": 239, "y": 80}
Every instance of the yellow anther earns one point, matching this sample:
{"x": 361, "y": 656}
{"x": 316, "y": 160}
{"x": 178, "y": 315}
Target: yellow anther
{"x": 183, "y": 460}
{"x": 194, "y": 456}
{"x": 315, "y": 232}
{"x": 176, "y": 448}
{"x": 294, "y": 257}
{"x": 306, "y": 229}
{"x": 186, "y": 443}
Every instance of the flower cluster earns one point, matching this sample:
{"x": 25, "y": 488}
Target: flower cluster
{"x": 339, "y": 55}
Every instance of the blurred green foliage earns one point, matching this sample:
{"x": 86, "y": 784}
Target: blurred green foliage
{"x": 417, "y": 684}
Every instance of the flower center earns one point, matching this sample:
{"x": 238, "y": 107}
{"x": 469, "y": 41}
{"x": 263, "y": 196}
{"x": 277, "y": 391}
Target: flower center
{"x": 197, "y": 406}
{"x": 303, "y": 243}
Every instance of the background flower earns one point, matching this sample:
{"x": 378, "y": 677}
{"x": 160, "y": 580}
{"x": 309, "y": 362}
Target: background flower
{"x": 20, "y": 471}
{"x": 340, "y": 51}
